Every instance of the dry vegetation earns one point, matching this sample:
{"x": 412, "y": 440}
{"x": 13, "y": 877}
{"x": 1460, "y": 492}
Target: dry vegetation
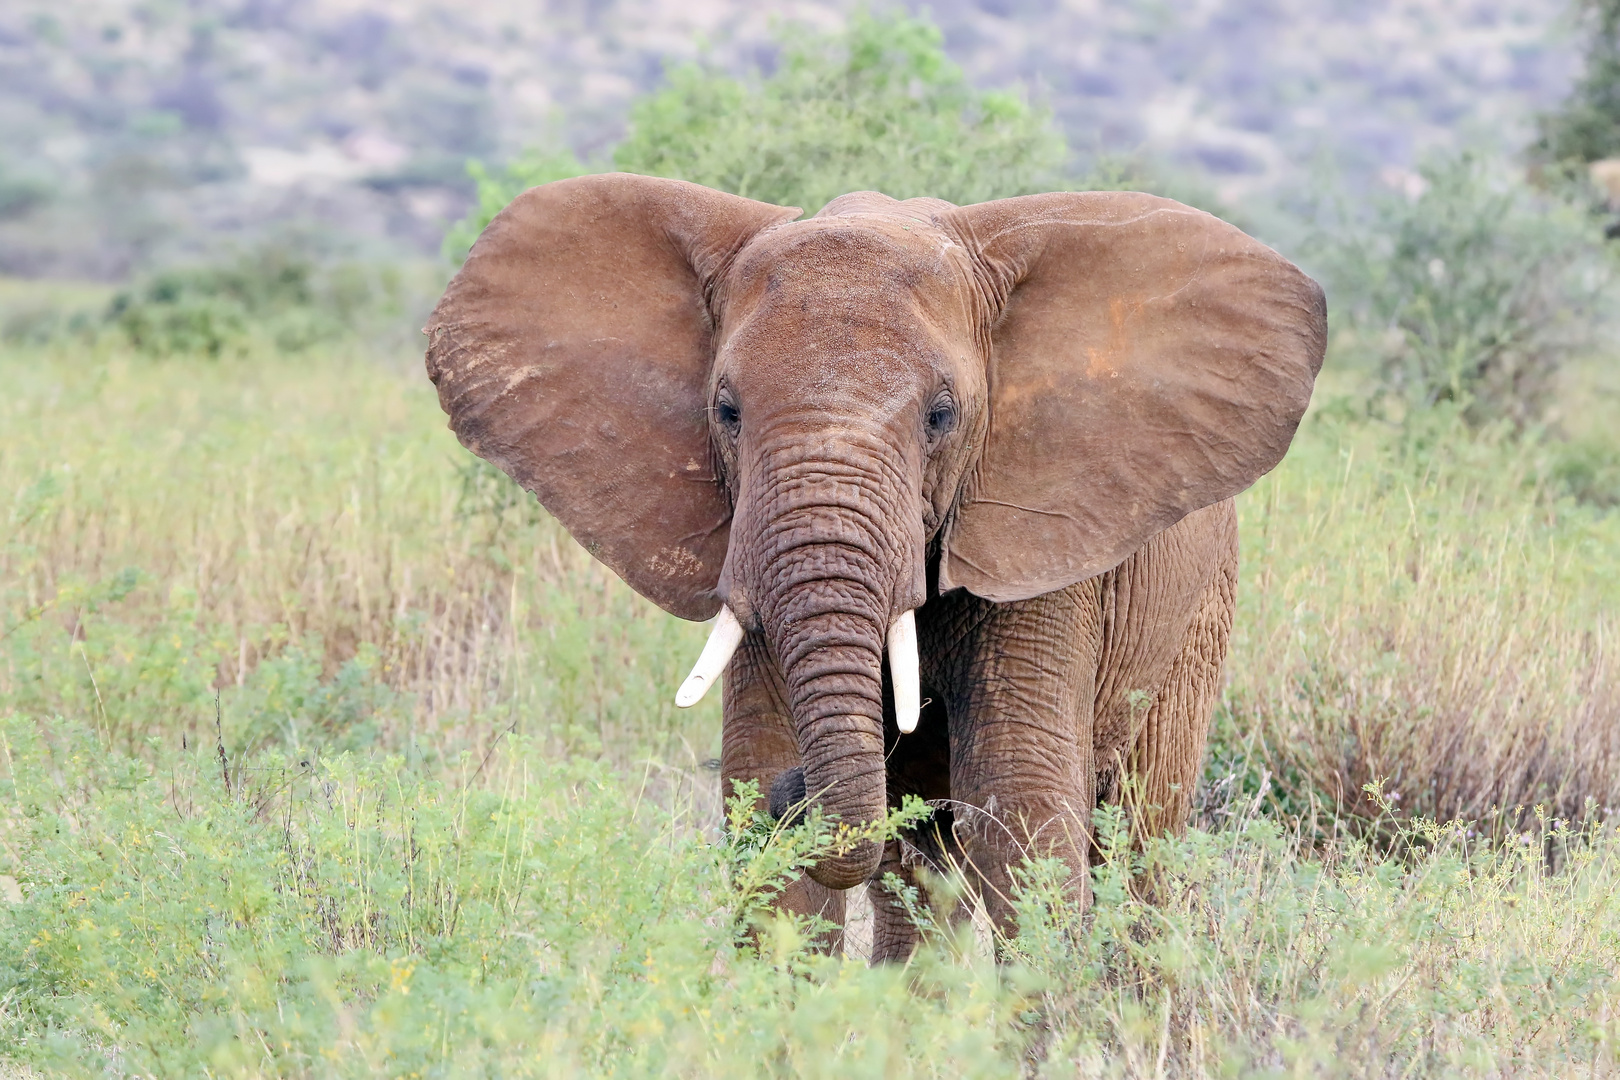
{"x": 205, "y": 520}
{"x": 323, "y": 752}
{"x": 459, "y": 830}
{"x": 1442, "y": 623}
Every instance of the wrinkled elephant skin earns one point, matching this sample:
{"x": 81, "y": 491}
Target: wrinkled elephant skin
{"x": 1022, "y": 421}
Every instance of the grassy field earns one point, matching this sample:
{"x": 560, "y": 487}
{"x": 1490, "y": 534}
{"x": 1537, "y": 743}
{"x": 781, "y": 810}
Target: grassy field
{"x": 324, "y": 754}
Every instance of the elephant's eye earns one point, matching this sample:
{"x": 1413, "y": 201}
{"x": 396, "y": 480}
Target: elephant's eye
{"x": 725, "y": 411}
{"x": 941, "y": 416}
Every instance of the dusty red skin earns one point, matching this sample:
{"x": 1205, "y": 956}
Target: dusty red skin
{"x": 1024, "y": 419}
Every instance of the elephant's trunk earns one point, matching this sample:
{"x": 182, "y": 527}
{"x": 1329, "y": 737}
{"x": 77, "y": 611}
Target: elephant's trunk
{"x": 824, "y": 559}
{"x": 831, "y": 656}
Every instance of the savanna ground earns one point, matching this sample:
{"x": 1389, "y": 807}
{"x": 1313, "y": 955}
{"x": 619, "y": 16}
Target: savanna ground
{"x": 323, "y": 752}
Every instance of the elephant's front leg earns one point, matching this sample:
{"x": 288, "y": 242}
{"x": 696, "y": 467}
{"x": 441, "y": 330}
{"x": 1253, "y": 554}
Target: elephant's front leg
{"x": 757, "y": 742}
{"x": 918, "y": 764}
{"x": 1022, "y": 770}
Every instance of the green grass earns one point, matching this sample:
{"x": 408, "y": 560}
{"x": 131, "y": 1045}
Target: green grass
{"x": 39, "y": 310}
{"x": 446, "y": 821}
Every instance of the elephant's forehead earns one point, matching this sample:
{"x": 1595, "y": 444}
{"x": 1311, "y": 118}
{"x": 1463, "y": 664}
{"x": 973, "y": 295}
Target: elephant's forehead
{"x": 824, "y": 361}
{"x": 840, "y": 335}
{"x": 864, "y": 286}
{"x": 851, "y": 313}
{"x": 874, "y": 259}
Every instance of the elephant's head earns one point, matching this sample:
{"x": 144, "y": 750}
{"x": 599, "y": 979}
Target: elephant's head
{"x": 790, "y": 418}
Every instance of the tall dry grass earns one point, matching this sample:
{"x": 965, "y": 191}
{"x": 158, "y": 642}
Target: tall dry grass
{"x": 1425, "y": 610}
{"x": 173, "y": 526}
{"x": 458, "y": 829}
{"x": 1432, "y": 614}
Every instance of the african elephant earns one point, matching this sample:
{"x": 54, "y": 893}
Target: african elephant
{"x": 1001, "y": 440}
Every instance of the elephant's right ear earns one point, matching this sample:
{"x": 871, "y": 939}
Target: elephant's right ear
{"x": 573, "y": 351}
{"x": 1147, "y": 360}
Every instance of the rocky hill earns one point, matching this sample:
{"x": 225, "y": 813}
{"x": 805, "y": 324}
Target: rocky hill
{"x": 134, "y": 131}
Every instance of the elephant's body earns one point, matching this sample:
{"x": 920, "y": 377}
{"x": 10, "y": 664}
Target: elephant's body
{"x": 1039, "y": 711}
{"x": 982, "y": 456}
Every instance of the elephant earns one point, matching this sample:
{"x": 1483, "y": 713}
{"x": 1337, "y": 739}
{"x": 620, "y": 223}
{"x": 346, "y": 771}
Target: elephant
{"x": 955, "y": 482}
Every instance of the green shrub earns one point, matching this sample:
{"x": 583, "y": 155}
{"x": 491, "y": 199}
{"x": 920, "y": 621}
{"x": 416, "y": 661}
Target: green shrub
{"x": 288, "y": 702}
{"x": 1589, "y": 469}
{"x": 1475, "y": 293}
{"x": 277, "y": 294}
{"x": 878, "y": 107}
{"x": 517, "y": 915}
{"x": 1587, "y": 126}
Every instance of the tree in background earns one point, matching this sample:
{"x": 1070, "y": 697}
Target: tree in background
{"x": 1587, "y": 128}
{"x": 1474, "y": 293}
{"x": 878, "y": 106}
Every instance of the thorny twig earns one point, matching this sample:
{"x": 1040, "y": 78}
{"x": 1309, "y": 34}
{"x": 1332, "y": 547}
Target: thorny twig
{"x": 219, "y": 742}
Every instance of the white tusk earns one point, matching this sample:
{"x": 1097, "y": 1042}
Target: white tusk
{"x": 903, "y": 670}
{"x": 723, "y": 641}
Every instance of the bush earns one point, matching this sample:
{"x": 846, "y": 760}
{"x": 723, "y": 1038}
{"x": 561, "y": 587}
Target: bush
{"x": 363, "y": 917}
{"x": 1476, "y": 292}
{"x": 1587, "y": 127}
{"x": 878, "y": 107}
{"x": 276, "y": 293}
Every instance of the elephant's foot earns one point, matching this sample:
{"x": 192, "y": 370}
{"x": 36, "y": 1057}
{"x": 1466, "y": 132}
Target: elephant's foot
{"x": 997, "y": 840}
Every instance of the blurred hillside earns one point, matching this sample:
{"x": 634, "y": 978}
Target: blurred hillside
{"x": 134, "y": 132}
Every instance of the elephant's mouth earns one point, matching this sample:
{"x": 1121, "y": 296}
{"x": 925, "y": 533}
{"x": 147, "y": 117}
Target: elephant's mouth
{"x": 727, "y": 635}
{"x": 787, "y": 801}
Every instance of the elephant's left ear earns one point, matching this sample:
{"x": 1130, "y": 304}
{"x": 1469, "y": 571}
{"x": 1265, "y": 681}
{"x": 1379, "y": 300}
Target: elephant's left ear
{"x": 1147, "y": 359}
{"x": 573, "y": 351}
